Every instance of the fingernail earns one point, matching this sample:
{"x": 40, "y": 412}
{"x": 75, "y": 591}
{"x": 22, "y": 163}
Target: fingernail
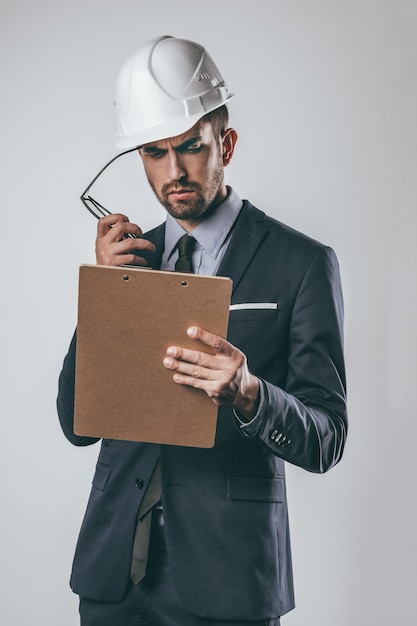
{"x": 192, "y": 331}
{"x": 171, "y": 351}
{"x": 168, "y": 362}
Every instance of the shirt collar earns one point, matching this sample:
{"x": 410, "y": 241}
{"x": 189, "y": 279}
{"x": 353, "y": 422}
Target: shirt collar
{"x": 212, "y": 231}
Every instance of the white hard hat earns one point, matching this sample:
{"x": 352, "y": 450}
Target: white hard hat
{"x": 163, "y": 89}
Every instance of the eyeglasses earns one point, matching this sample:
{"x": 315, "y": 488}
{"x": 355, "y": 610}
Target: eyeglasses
{"x": 95, "y": 208}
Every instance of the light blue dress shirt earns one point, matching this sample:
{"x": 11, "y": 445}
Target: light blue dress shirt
{"x": 212, "y": 237}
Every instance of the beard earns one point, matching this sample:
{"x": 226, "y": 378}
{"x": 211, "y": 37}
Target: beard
{"x": 196, "y": 208}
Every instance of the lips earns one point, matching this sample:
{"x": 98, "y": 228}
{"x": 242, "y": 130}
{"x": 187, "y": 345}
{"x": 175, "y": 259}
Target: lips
{"x": 181, "y": 194}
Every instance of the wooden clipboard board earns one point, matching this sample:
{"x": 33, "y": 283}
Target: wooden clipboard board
{"x": 127, "y": 318}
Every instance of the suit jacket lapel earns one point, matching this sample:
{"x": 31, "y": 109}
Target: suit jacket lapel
{"x": 249, "y": 232}
{"x": 157, "y": 236}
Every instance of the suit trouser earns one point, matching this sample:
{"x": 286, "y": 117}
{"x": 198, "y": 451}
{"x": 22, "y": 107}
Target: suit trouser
{"x": 153, "y": 602}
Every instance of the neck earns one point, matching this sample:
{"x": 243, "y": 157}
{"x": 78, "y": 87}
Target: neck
{"x": 189, "y": 224}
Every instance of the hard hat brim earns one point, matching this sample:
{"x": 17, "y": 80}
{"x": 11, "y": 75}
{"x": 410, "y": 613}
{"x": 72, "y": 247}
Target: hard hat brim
{"x": 171, "y": 128}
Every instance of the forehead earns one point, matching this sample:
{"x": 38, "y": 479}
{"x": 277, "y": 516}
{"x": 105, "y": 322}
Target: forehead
{"x": 202, "y": 130}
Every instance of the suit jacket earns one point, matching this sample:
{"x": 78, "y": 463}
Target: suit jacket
{"x": 225, "y": 508}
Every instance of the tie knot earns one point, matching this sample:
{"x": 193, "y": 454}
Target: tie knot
{"x": 185, "y": 247}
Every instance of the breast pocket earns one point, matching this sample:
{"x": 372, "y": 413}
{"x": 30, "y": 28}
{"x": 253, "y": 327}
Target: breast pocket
{"x": 253, "y": 311}
{"x": 255, "y": 328}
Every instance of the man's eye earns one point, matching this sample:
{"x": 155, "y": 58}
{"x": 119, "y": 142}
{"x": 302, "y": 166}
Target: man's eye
{"x": 196, "y": 147}
{"x": 154, "y": 154}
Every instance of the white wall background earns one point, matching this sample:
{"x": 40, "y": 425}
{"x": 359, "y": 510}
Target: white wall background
{"x": 326, "y": 110}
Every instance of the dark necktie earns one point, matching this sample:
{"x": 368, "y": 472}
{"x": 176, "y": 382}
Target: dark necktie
{"x": 153, "y": 491}
{"x": 185, "y": 247}
{"x": 143, "y": 526}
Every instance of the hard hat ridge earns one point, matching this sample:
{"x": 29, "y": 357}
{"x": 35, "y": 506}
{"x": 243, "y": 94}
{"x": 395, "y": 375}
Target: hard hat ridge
{"x": 163, "y": 89}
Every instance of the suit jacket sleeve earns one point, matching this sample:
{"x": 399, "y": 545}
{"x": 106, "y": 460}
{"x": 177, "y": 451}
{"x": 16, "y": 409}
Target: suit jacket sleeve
{"x": 65, "y": 399}
{"x": 305, "y": 421}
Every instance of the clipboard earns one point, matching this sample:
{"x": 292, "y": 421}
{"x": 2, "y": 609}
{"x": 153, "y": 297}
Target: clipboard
{"x": 127, "y": 318}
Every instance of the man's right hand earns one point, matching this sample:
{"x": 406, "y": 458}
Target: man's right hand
{"x": 112, "y": 245}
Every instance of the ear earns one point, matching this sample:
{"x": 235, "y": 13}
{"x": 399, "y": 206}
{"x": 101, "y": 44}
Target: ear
{"x": 229, "y": 139}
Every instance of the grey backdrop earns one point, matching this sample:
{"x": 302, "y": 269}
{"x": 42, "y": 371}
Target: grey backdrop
{"x": 326, "y": 111}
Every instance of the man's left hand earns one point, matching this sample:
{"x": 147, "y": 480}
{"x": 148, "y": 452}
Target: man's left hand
{"x": 224, "y": 375}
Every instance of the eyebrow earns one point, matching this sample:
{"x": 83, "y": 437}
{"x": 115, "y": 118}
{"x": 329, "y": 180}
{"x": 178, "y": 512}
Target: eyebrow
{"x": 182, "y": 146}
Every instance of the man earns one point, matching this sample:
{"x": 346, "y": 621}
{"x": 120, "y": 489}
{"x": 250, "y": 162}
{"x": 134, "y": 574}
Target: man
{"x": 220, "y": 549}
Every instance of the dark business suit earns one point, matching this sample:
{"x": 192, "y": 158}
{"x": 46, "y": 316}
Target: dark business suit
{"x": 225, "y": 508}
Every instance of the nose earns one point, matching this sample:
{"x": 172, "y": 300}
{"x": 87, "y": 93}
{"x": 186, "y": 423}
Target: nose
{"x": 176, "y": 169}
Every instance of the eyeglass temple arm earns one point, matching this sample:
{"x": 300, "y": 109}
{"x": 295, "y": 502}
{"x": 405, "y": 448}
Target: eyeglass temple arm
{"x": 101, "y": 210}
{"x": 85, "y": 192}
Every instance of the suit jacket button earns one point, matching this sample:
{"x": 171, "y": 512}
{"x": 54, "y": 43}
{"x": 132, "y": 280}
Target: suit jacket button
{"x": 139, "y": 482}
